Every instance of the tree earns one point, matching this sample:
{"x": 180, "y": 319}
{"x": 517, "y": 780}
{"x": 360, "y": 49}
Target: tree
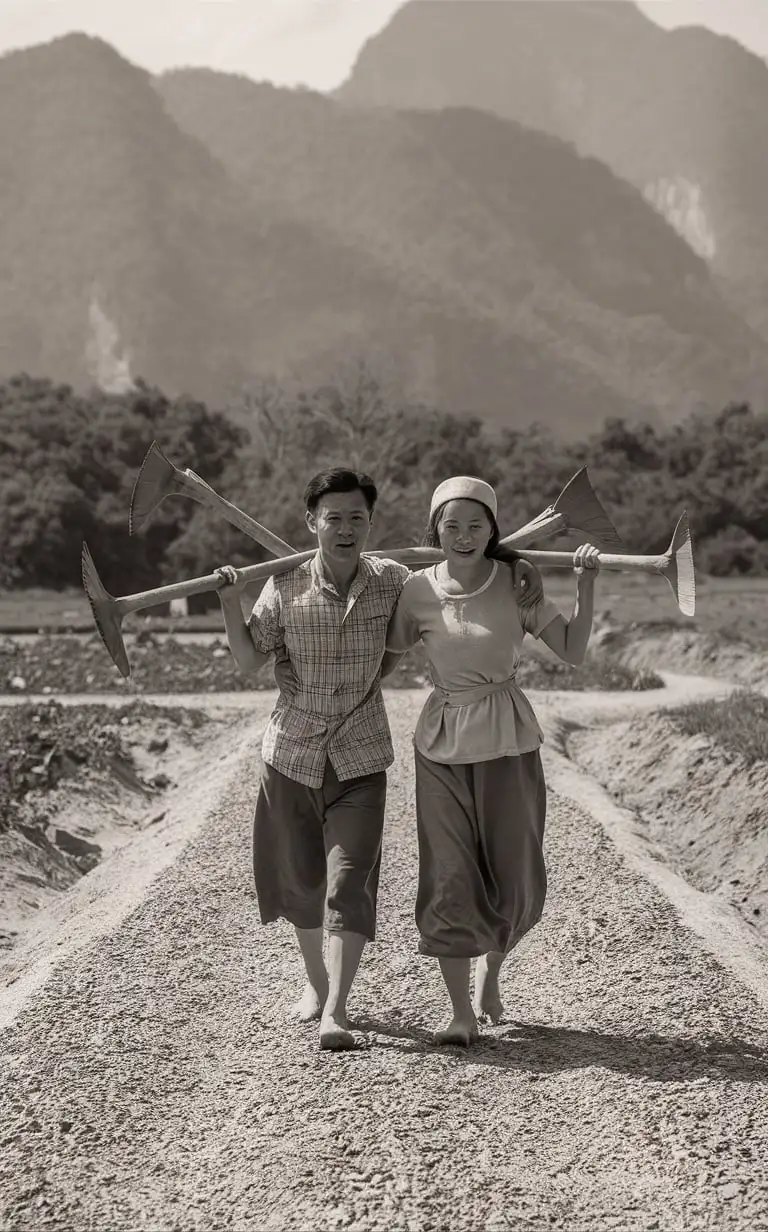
{"x": 67, "y": 468}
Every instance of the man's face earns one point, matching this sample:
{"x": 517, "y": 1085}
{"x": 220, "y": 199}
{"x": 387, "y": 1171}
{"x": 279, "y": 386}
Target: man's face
{"x": 342, "y": 523}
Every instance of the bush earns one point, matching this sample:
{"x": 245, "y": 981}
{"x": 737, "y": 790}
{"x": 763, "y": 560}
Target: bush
{"x": 84, "y": 454}
{"x": 733, "y": 550}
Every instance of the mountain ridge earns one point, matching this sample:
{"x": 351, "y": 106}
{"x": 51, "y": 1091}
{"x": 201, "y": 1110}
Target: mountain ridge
{"x": 102, "y": 186}
{"x": 227, "y": 232}
{"x": 462, "y": 186}
{"x": 679, "y": 113}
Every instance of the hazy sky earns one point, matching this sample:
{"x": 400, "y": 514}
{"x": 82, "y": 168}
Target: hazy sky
{"x": 288, "y": 42}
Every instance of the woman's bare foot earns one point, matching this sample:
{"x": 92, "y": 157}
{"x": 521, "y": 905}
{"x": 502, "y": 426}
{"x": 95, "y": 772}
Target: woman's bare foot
{"x": 309, "y": 1007}
{"x": 462, "y": 1031}
{"x": 487, "y": 1001}
{"x": 335, "y": 1034}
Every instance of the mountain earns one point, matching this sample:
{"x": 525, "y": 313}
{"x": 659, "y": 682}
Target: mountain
{"x": 114, "y": 224}
{"x": 680, "y": 114}
{"x": 202, "y": 232}
{"x": 539, "y": 284}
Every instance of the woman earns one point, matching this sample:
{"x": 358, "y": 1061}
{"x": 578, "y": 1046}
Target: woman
{"x": 480, "y": 791}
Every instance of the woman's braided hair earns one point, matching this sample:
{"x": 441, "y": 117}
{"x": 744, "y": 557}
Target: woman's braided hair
{"x": 526, "y": 578}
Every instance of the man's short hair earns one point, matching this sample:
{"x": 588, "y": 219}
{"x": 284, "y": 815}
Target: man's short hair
{"x": 339, "y": 479}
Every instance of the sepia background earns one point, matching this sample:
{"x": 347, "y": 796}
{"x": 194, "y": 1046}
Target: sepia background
{"x": 510, "y": 238}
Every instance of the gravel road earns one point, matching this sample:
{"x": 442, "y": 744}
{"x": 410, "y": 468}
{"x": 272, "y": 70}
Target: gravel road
{"x": 151, "y": 1081}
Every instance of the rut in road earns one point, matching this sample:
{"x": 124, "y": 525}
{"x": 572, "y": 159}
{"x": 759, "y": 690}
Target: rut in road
{"x": 154, "y": 1082}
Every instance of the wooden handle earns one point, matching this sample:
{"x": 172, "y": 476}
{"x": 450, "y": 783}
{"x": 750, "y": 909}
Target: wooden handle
{"x": 207, "y": 495}
{"x": 252, "y": 573}
{"x": 616, "y": 563}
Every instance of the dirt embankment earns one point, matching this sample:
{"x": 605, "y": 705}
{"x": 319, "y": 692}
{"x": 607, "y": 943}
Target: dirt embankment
{"x": 704, "y": 806}
{"x": 76, "y": 784}
{"x": 53, "y": 664}
{"x": 656, "y": 647}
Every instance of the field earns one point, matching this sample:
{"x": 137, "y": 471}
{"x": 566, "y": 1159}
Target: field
{"x": 69, "y": 663}
{"x": 731, "y": 608}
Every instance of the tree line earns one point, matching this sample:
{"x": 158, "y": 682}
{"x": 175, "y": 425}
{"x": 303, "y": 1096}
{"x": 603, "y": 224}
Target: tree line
{"x": 68, "y": 463}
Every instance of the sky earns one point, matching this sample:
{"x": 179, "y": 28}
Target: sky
{"x": 288, "y": 42}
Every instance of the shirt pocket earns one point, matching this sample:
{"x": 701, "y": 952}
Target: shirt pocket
{"x": 368, "y": 628}
{"x": 375, "y": 610}
{"x": 300, "y": 725}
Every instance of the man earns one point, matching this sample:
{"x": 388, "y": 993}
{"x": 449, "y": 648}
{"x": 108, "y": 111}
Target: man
{"x": 320, "y": 810}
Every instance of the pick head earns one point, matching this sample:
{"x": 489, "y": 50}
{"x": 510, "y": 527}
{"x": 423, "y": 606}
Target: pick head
{"x": 156, "y": 480}
{"x": 579, "y": 505}
{"x": 106, "y": 613}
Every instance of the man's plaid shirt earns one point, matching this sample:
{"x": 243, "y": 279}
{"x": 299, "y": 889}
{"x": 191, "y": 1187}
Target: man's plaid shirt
{"x": 333, "y": 708}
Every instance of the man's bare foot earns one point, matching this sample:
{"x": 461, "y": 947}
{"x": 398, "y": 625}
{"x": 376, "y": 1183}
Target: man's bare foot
{"x": 487, "y": 1002}
{"x": 335, "y": 1034}
{"x": 309, "y": 1007}
{"x": 461, "y": 1031}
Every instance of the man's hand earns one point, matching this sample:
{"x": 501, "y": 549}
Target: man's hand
{"x": 230, "y": 577}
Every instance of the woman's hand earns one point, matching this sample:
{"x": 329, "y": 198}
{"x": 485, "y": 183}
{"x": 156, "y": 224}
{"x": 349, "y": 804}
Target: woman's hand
{"x": 586, "y": 561}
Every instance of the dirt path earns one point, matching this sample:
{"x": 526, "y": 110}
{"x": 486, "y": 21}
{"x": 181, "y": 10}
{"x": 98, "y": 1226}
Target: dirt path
{"x": 152, "y": 1082}
{"x": 678, "y": 689}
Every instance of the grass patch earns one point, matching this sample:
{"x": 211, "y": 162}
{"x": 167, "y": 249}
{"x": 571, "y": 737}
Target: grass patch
{"x": 597, "y": 674}
{"x": 738, "y": 723}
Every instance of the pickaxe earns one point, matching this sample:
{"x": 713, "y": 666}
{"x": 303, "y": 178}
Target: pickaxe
{"x": 675, "y": 565}
{"x": 158, "y": 478}
{"x": 576, "y": 508}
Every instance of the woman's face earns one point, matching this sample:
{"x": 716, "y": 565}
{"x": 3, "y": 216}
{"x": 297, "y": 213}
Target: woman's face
{"x": 464, "y": 530}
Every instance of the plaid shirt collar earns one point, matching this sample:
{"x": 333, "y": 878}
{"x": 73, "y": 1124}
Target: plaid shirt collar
{"x": 325, "y": 583}
{"x": 333, "y": 710}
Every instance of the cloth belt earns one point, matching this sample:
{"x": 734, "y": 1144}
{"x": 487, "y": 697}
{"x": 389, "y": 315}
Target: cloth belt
{"x": 474, "y": 693}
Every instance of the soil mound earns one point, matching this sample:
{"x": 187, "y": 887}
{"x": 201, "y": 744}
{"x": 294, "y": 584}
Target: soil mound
{"x": 706, "y": 806}
{"x": 77, "y": 783}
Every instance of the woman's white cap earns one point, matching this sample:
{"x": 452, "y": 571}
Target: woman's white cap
{"x": 463, "y": 487}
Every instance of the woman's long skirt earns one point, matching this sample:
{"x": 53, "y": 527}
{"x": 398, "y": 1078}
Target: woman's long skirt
{"x": 482, "y": 877}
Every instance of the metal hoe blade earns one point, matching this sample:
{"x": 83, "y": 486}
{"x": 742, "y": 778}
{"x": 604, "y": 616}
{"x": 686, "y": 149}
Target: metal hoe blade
{"x": 576, "y": 508}
{"x": 157, "y": 479}
{"x": 680, "y": 572}
{"x": 106, "y": 613}
{"x": 579, "y": 504}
